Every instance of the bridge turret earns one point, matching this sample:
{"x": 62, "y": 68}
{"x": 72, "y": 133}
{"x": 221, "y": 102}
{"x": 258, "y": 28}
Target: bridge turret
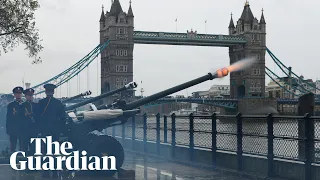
{"x": 250, "y": 82}
{"x": 102, "y": 19}
{"x": 130, "y": 16}
{"x": 102, "y": 24}
{"x": 116, "y": 8}
{"x": 231, "y": 26}
{"x": 246, "y": 17}
{"x": 262, "y": 23}
{"x": 117, "y": 60}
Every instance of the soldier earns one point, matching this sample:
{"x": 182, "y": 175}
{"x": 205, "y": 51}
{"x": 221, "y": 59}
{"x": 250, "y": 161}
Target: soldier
{"x": 51, "y": 117}
{"x": 28, "y": 124}
{"x": 14, "y": 117}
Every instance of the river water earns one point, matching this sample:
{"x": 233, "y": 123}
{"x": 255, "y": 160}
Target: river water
{"x": 254, "y": 130}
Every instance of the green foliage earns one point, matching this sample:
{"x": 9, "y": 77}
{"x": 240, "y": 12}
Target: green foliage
{"x": 17, "y": 25}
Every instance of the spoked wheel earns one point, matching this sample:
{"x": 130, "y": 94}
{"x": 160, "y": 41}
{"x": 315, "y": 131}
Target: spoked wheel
{"x": 104, "y": 145}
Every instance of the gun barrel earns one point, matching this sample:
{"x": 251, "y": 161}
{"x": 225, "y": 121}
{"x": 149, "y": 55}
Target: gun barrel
{"x": 103, "y": 106}
{"x": 87, "y": 93}
{"x": 135, "y": 104}
{"x": 127, "y": 86}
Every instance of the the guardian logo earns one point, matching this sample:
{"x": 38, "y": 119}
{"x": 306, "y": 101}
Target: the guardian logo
{"x": 60, "y": 158}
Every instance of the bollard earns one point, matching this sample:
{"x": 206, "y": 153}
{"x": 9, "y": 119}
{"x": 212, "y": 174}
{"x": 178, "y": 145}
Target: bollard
{"x": 306, "y": 105}
{"x": 239, "y": 141}
{"x": 309, "y": 146}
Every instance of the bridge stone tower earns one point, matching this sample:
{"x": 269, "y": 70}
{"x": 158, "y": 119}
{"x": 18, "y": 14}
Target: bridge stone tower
{"x": 117, "y": 58}
{"x": 250, "y": 82}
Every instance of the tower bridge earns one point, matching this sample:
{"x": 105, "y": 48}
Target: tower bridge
{"x": 246, "y": 38}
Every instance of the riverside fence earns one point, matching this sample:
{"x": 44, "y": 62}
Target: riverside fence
{"x": 277, "y": 146}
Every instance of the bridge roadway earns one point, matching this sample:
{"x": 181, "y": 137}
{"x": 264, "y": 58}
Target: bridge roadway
{"x": 187, "y": 39}
{"x": 225, "y": 103}
{"x": 146, "y": 167}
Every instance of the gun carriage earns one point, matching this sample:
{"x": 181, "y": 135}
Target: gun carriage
{"x": 84, "y": 130}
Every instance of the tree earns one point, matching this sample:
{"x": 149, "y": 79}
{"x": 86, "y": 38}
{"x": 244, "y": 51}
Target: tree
{"x": 17, "y": 25}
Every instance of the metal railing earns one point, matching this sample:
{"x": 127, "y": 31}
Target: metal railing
{"x": 295, "y": 138}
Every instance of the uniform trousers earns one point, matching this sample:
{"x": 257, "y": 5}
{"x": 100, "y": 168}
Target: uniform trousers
{"x": 13, "y": 142}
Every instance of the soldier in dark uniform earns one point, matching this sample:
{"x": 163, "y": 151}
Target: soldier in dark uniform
{"x": 14, "y": 117}
{"x": 51, "y": 117}
{"x": 28, "y": 123}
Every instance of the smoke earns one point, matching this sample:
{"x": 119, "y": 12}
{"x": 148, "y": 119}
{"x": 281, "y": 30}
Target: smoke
{"x": 241, "y": 65}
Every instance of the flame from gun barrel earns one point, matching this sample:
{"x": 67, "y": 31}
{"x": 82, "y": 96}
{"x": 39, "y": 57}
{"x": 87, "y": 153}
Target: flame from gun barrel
{"x": 241, "y": 65}
{"x": 237, "y": 66}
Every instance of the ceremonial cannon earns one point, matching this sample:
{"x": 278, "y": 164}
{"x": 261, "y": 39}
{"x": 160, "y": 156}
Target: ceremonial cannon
{"x": 80, "y": 127}
{"x": 72, "y": 107}
{"x": 87, "y": 93}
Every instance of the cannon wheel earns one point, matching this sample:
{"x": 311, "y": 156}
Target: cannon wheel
{"x": 103, "y": 145}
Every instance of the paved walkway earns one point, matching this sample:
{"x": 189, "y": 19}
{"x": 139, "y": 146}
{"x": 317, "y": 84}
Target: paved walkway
{"x": 146, "y": 168}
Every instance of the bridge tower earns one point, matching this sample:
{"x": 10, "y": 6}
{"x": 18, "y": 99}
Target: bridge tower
{"x": 117, "y": 58}
{"x": 251, "y": 82}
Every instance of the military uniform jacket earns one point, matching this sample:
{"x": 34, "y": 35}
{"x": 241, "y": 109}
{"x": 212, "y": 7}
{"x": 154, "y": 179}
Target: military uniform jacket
{"x": 50, "y": 115}
{"x": 28, "y": 122}
{"x": 13, "y": 118}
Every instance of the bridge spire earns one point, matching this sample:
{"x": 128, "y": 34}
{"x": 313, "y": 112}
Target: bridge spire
{"x": 116, "y": 8}
{"x": 231, "y": 24}
{"x": 130, "y": 12}
{"x": 247, "y": 15}
{"x": 246, "y": 3}
{"x": 262, "y": 20}
{"x": 102, "y": 17}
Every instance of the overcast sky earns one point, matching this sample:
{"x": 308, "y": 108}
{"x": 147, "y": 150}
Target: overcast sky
{"x": 70, "y": 29}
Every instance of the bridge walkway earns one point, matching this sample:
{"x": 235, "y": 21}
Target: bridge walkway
{"x": 145, "y": 167}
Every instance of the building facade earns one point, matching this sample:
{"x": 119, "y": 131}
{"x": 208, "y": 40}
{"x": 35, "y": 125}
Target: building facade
{"x": 116, "y": 27}
{"x": 290, "y": 88}
{"x": 273, "y": 90}
{"x": 219, "y": 91}
{"x": 249, "y": 82}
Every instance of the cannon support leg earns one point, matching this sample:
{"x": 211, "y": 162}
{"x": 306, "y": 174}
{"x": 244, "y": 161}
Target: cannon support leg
{"x": 103, "y": 145}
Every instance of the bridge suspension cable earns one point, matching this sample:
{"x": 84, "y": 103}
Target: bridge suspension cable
{"x": 98, "y": 76}
{"x": 72, "y": 71}
{"x": 299, "y": 88}
{"x": 296, "y": 78}
{"x": 88, "y": 85}
{"x": 270, "y": 73}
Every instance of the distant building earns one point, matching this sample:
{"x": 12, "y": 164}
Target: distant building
{"x": 200, "y": 94}
{"x": 274, "y": 89}
{"x": 215, "y": 91}
{"x": 219, "y": 91}
{"x": 289, "y": 88}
